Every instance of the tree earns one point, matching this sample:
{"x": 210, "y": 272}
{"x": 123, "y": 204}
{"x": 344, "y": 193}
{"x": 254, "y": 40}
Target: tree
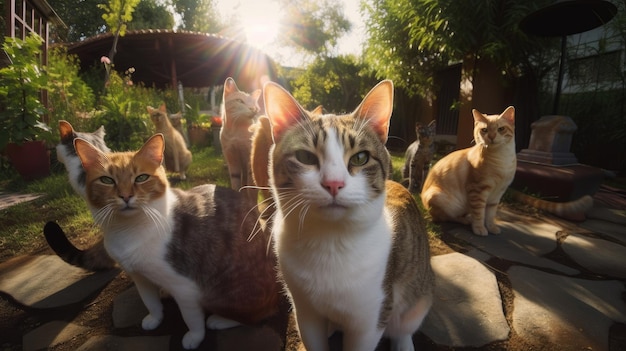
{"x": 83, "y": 19}
{"x": 151, "y": 14}
{"x": 411, "y": 39}
{"x": 336, "y": 83}
{"x": 198, "y": 15}
{"x": 117, "y": 14}
{"x": 313, "y": 26}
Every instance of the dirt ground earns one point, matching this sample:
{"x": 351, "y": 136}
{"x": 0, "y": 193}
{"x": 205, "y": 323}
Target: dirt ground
{"x": 96, "y": 311}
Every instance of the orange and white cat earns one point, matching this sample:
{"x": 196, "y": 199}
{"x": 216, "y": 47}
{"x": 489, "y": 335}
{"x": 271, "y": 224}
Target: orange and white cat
{"x": 466, "y": 185}
{"x": 194, "y": 244}
{"x": 177, "y": 156}
{"x": 240, "y": 112}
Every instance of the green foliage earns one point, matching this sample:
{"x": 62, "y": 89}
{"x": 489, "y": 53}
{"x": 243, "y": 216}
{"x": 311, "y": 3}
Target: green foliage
{"x": 313, "y": 26}
{"x": 409, "y": 40}
{"x": 21, "y": 84}
{"x": 337, "y": 83}
{"x": 117, "y": 14}
{"x": 82, "y": 21}
{"x": 69, "y": 97}
{"x": 122, "y": 111}
{"x": 198, "y": 15}
{"x": 151, "y": 14}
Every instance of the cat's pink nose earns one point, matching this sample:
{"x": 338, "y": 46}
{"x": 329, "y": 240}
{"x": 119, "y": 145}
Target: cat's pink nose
{"x": 126, "y": 198}
{"x": 333, "y": 186}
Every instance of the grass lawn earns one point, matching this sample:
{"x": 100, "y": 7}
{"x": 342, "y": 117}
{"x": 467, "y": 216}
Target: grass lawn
{"x": 21, "y": 225}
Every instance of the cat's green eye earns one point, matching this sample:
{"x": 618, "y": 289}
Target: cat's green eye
{"x": 306, "y": 157}
{"x": 484, "y": 130}
{"x": 141, "y": 178}
{"x": 107, "y": 180}
{"x": 360, "y": 158}
{"x": 501, "y": 129}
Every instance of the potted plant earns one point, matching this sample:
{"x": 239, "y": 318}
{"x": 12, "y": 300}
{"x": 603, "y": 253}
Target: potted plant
{"x": 198, "y": 127}
{"x": 21, "y": 109}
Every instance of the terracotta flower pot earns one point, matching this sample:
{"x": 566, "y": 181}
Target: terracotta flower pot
{"x": 31, "y": 159}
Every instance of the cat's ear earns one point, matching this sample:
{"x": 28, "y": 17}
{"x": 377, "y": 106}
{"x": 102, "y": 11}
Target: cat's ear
{"x": 319, "y": 110}
{"x": 509, "y": 115}
{"x": 101, "y": 131}
{"x": 65, "y": 130}
{"x": 153, "y": 149}
{"x": 230, "y": 86}
{"x": 282, "y": 109}
{"x": 478, "y": 116}
{"x": 377, "y": 107}
{"x": 150, "y": 109}
{"x": 163, "y": 108}
{"x": 89, "y": 155}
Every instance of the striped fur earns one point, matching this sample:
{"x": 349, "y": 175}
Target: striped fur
{"x": 573, "y": 210}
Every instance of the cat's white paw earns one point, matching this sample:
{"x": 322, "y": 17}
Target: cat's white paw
{"x": 494, "y": 229}
{"x": 479, "y": 230}
{"x": 217, "y": 322}
{"x": 404, "y": 343}
{"x": 191, "y": 340}
{"x": 150, "y": 322}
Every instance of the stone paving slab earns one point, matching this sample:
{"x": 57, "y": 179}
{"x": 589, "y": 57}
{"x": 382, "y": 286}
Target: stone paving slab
{"x": 128, "y": 309}
{"x": 597, "y": 255}
{"x": 608, "y": 215}
{"x": 467, "y": 309}
{"x": 572, "y": 313}
{"x": 522, "y": 240}
{"x": 50, "y": 335}
{"x": 614, "y": 230}
{"x": 47, "y": 281}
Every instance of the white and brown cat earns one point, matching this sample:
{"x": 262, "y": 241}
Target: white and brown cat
{"x": 240, "y": 112}
{"x": 466, "y": 185}
{"x": 95, "y": 257}
{"x": 177, "y": 156}
{"x": 351, "y": 245}
{"x": 66, "y": 154}
{"x": 194, "y": 244}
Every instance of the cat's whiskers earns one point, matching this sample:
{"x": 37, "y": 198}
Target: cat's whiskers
{"x": 103, "y": 215}
{"x": 157, "y": 218}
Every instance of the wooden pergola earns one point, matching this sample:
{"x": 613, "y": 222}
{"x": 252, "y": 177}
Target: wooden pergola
{"x": 165, "y": 58}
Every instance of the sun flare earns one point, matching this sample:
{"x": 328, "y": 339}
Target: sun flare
{"x": 259, "y": 19}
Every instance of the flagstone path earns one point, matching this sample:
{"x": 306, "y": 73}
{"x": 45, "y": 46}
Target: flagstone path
{"x": 576, "y": 302}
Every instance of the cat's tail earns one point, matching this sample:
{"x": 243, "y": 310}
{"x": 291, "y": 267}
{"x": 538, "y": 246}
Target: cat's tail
{"x": 572, "y": 210}
{"x": 94, "y": 258}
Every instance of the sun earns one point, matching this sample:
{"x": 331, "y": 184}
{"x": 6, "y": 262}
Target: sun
{"x": 261, "y": 35}
{"x": 259, "y": 19}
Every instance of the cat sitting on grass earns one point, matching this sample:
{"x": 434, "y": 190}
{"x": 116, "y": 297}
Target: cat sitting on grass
{"x": 240, "y": 112}
{"x": 351, "y": 245}
{"x": 196, "y": 245}
{"x": 177, "y": 156}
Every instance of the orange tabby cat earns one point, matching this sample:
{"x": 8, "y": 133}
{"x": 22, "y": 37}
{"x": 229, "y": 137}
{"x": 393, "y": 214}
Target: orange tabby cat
{"x": 466, "y": 186}
{"x": 239, "y": 113}
{"x": 177, "y": 156}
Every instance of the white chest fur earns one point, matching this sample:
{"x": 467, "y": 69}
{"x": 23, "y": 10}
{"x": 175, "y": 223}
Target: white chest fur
{"x": 337, "y": 271}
